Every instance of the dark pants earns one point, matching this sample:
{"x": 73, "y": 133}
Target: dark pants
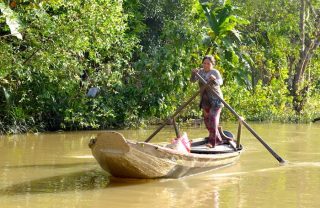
{"x": 211, "y": 120}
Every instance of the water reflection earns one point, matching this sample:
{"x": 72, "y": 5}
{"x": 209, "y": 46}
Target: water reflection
{"x": 196, "y": 191}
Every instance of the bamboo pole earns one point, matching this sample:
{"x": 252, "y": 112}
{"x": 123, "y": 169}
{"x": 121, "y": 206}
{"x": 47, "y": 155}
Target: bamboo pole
{"x": 239, "y": 134}
{"x": 173, "y": 116}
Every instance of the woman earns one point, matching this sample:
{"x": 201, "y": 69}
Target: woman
{"x": 210, "y": 104}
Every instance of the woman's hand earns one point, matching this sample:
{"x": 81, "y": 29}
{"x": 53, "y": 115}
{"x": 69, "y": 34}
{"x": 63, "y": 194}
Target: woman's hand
{"x": 241, "y": 119}
{"x": 194, "y": 71}
{"x": 212, "y": 78}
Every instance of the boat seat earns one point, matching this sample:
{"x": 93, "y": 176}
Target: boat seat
{"x": 203, "y": 149}
{"x": 226, "y": 135}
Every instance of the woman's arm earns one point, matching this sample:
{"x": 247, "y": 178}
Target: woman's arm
{"x": 218, "y": 76}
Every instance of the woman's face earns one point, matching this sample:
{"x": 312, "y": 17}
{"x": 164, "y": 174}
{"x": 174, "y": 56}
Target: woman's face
{"x": 207, "y": 65}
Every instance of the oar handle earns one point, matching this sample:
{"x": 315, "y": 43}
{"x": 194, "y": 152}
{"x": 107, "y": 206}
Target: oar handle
{"x": 244, "y": 123}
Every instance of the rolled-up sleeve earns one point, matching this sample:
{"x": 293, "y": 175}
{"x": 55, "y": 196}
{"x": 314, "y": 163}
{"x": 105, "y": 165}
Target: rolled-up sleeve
{"x": 219, "y": 79}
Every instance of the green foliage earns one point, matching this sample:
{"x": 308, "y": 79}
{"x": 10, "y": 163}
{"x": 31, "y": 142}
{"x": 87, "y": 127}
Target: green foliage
{"x": 41, "y": 73}
{"x": 11, "y": 20}
{"x": 140, "y": 53}
{"x": 274, "y": 42}
{"x": 224, "y": 39}
{"x": 265, "y": 103}
{"x": 170, "y": 34}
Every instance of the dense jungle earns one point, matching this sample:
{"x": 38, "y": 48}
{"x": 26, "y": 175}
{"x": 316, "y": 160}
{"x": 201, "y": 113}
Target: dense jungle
{"x": 137, "y": 55}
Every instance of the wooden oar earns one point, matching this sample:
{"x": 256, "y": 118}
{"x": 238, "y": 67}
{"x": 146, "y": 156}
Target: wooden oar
{"x": 274, "y": 154}
{"x": 173, "y": 116}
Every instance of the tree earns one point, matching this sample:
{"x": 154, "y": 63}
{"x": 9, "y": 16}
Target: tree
{"x": 40, "y": 75}
{"x": 309, "y": 41}
{"x": 224, "y": 38}
{"x": 283, "y": 40}
{"x": 170, "y": 36}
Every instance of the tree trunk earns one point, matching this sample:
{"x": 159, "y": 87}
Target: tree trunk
{"x": 299, "y": 86}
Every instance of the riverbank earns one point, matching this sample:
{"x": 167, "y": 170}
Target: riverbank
{"x": 183, "y": 122}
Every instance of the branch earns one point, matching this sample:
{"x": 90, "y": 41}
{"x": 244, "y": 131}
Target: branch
{"x": 34, "y": 53}
{"x": 311, "y": 8}
{"x": 302, "y": 24}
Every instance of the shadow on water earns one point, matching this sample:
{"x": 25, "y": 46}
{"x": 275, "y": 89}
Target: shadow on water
{"x": 97, "y": 179}
{"x": 50, "y": 165}
{"x": 119, "y": 182}
{"x": 84, "y": 180}
{"x": 78, "y": 181}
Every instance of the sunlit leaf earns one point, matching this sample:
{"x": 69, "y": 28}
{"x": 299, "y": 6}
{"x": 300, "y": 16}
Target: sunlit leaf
{"x": 11, "y": 20}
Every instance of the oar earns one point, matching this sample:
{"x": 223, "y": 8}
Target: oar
{"x": 274, "y": 154}
{"x": 174, "y": 115}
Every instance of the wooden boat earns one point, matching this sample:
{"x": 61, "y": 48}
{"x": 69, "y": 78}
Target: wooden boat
{"x": 127, "y": 159}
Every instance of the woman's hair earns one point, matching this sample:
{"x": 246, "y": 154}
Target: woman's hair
{"x": 210, "y": 58}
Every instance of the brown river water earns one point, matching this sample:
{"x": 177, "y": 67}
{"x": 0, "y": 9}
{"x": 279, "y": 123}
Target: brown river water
{"x": 58, "y": 170}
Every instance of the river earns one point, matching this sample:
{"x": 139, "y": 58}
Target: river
{"x": 58, "y": 170}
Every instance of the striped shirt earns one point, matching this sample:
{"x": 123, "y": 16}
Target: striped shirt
{"x": 208, "y": 99}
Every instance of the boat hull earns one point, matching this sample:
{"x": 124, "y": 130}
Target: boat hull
{"x": 127, "y": 159}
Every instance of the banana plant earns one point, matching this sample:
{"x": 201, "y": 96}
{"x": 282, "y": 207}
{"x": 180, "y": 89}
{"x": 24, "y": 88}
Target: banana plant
{"x": 225, "y": 38}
